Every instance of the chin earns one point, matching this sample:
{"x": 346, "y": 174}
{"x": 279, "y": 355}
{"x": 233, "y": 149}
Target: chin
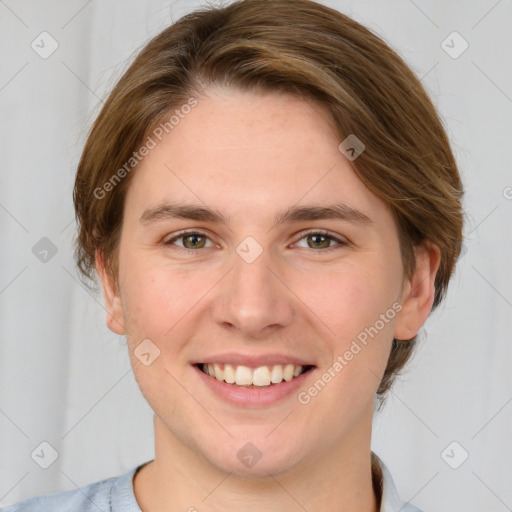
{"x": 256, "y": 455}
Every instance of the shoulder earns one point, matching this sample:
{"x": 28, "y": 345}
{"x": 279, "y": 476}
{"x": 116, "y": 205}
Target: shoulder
{"x": 89, "y": 498}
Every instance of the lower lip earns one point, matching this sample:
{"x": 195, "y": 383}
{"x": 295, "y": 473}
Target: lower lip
{"x": 253, "y": 397}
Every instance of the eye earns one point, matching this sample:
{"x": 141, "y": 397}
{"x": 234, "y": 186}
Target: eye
{"x": 190, "y": 240}
{"x": 318, "y": 239}
{"x": 322, "y": 240}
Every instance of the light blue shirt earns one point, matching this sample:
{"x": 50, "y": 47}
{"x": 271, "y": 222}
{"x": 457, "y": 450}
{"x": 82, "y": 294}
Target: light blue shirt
{"x": 116, "y": 494}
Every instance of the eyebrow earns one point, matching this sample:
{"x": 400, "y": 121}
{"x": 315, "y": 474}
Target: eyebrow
{"x": 336, "y": 211}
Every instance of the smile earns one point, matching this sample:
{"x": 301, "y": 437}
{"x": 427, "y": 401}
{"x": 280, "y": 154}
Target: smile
{"x": 261, "y": 376}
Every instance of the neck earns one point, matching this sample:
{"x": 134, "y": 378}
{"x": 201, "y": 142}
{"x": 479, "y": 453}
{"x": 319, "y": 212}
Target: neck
{"x": 180, "y": 479}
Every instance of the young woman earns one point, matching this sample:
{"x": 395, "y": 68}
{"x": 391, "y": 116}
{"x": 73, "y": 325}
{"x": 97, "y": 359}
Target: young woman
{"x": 272, "y": 207}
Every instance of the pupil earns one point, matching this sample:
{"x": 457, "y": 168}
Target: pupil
{"x": 193, "y": 240}
{"x": 316, "y": 239}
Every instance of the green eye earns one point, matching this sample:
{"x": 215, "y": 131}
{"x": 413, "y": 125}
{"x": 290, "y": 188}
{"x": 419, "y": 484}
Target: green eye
{"x": 320, "y": 244}
{"x": 190, "y": 240}
{"x": 315, "y": 240}
{"x": 322, "y": 240}
{"x": 196, "y": 241}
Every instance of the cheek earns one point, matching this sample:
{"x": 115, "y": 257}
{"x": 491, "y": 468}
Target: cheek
{"x": 157, "y": 297}
{"x": 351, "y": 299}
{"x": 358, "y": 307}
{"x": 157, "y": 303}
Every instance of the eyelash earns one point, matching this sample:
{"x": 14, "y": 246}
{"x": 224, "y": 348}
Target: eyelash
{"x": 327, "y": 234}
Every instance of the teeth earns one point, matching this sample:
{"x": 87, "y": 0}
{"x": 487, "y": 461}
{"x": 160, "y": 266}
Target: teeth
{"x": 245, "y": 376}
{"x": 229, "y": 374}
{"x": 288, "y": 372}
{"x": 277, "y": 374}
{"x": 218, "y": 372}
{"x": 261, "y": 376}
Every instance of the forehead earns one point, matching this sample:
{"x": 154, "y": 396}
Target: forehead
{"x": 247, "y": 152}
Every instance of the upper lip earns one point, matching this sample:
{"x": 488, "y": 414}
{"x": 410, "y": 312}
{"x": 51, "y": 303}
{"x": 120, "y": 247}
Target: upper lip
{"x": 254, "y": 360}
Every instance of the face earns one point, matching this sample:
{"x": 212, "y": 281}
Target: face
{"x": 249, "y": 242}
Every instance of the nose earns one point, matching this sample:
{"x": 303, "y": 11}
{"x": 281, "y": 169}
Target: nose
{"x": 253, "y": 299}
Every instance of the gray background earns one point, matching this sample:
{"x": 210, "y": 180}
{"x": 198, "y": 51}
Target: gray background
{"x": 66, "y": 380}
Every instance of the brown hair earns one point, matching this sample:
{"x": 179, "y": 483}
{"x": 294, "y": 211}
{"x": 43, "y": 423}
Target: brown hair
{"x": 302, "y": 48}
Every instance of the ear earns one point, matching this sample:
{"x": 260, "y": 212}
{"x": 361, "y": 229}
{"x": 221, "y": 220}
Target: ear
{"x": 418, "y": 293}
{"x": 111, "y": 297}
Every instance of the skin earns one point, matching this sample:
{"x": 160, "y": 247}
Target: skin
{"x": 249, "y": 156}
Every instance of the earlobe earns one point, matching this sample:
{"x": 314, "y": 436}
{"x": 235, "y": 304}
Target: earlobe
{"x": 113, "y": 305}
{"x": 418, "y": 293}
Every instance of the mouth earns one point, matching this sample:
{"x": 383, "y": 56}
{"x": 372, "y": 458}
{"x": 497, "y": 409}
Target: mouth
{"x": 260, "y": 377}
